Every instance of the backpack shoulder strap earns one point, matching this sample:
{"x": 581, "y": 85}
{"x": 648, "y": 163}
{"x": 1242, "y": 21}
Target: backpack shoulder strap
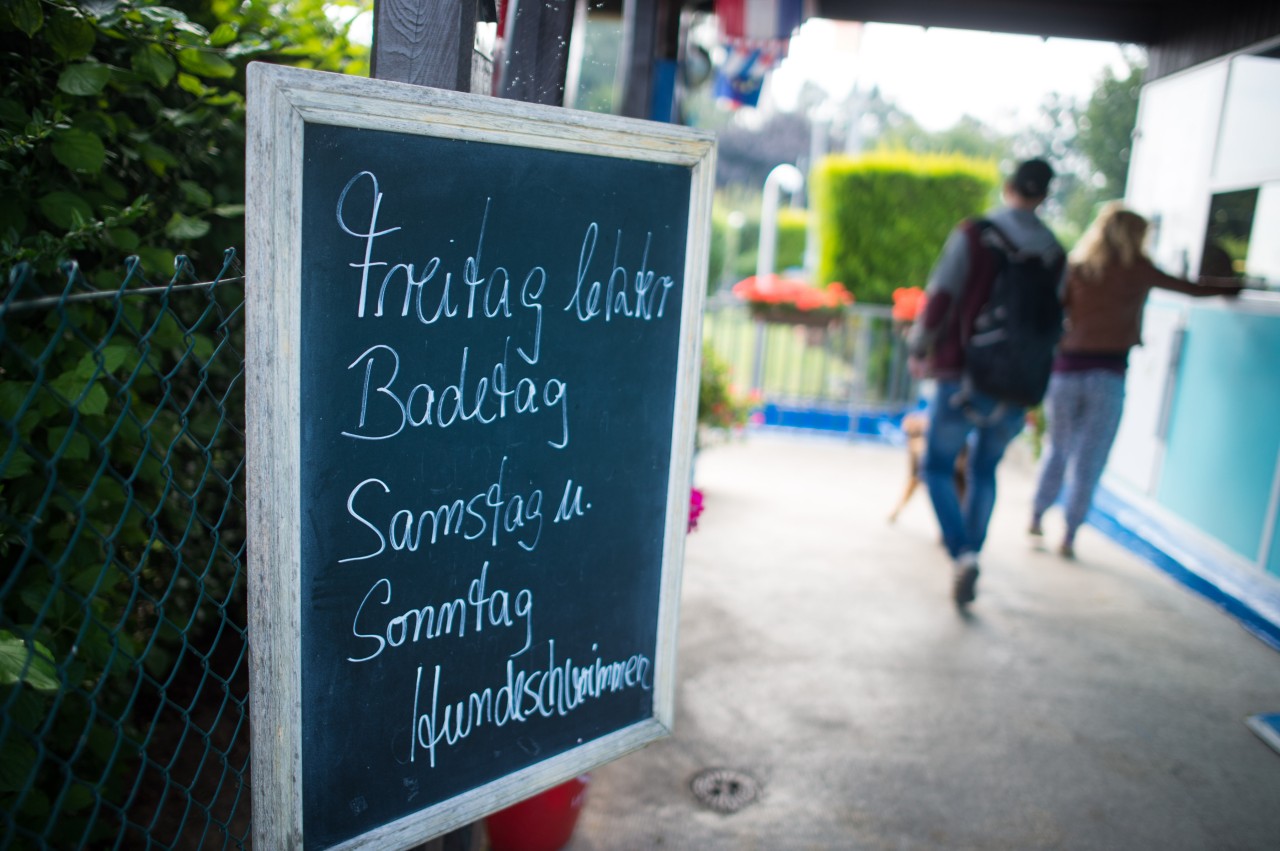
{"x": 1000, "y": 240}
{"x": 984, "y": 263}
{"x": 1000, "y": 236}
{"x": 979, "y": 244}
{"x": 1048, "y": 257}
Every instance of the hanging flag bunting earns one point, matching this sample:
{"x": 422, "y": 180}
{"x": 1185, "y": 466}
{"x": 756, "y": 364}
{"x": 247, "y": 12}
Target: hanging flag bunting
{"x": 759, "y": 20}
{"x": 741, "y": 77}
{"x": 755, "y": 35}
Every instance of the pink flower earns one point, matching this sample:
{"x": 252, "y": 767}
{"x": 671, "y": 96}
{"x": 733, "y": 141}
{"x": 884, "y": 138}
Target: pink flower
{"x": 695, "y": 508}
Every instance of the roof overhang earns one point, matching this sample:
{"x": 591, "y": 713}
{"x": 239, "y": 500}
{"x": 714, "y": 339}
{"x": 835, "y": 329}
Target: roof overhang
{"x": 1136, "y": 21}
{"x": 1179, "y": 33}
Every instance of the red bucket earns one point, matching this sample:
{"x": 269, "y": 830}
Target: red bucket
{"x": 541, "y": 823}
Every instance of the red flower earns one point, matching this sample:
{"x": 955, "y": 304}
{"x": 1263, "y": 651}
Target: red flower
{"x": 907, "y": 303}
{"x": 775, "y": 289}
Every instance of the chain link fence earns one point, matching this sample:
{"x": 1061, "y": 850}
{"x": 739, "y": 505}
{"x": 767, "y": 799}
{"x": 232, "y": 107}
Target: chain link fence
{"x": 123, "y": 660}
{"x": 123, "y": 656}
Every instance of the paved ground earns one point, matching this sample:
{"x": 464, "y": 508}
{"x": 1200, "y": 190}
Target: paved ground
{"x": 1081, "y": 705}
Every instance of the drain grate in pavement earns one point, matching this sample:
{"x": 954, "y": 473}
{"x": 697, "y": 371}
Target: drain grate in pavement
{"x": 724, "y": 790}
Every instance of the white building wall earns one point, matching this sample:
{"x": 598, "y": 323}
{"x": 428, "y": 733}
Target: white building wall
{"x": 1248, "y": 153}
{"x": 1175, "y": 144}
{"x": 1208, "y": 131}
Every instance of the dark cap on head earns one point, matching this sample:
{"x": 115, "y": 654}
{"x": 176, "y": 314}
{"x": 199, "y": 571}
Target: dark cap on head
{"x": 1031, "y": 178}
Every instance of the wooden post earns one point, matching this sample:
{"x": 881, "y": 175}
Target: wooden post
{"x": 424, "y": 42}
{"x": 635, "y": 60}
{"x": 427, "y": 43}
{"x": 536, "y": 55}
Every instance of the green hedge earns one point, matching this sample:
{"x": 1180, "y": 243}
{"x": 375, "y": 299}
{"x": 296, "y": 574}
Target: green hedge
{"x": 788, "y": 252}
{"x": 793, "y": 227}
{"x": 884, "y": 217}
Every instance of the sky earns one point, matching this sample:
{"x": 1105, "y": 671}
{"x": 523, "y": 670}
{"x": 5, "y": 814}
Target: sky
{"x": 939, "y": 75}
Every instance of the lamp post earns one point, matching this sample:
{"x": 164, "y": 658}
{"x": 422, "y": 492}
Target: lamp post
{"x": 783, "y": 178}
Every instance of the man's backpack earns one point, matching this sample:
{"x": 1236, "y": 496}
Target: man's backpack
{"x": 1009, "y": 352}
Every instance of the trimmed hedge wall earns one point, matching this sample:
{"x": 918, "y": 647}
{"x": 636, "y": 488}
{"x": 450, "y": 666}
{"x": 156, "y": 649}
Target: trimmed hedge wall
{"x": 788, "y": 252}
{"x": 882, "y": 218}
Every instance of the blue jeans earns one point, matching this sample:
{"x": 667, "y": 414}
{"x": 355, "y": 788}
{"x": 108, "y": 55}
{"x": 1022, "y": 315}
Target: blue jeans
{"x": 993, "y": 425}
{"x": 1083, "y": 409}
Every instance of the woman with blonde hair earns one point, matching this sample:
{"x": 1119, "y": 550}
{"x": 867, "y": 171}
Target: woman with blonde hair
{"x": 1108, "y": 278}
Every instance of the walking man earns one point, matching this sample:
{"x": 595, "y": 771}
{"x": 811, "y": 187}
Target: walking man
{"x": 958, "y": 289}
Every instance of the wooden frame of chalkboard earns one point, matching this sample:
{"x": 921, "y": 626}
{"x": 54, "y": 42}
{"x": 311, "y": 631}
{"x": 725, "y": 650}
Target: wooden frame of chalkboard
{"x": 472, "y": 373}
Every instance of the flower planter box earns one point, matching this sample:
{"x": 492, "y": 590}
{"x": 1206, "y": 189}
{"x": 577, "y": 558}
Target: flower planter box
{"x": 789, "y": 314}
{"x": 791, "y": 301}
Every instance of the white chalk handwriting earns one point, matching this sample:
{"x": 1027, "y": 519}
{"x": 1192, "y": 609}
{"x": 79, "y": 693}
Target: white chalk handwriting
{"x": 388, "y": 405}
{"x": 486, "y": 295}
{"x": 550, "y": 688}
{"x": 636, "y": 301}
{"x": 494, "y": 514}
{"x": 480, "y": 608}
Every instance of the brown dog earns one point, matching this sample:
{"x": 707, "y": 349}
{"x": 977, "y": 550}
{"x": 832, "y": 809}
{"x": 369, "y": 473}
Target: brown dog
{"x": 916, "y": 426}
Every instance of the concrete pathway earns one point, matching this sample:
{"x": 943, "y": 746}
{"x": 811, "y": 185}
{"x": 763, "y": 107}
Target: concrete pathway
{"x": 1092, "y": 704}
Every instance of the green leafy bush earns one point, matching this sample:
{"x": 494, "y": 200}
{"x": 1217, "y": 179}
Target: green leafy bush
{"x": 121, "y": 424}
{"x": 720, "y": 247}
{"x": 792, "y": 234}
{"x": 121, "y": 458}
{"x": 883, "y": 218}
{"x": 720, "y": 406}
{"x": 122, "y": 124}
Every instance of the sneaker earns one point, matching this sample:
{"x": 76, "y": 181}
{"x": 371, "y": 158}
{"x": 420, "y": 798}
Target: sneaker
{"x": 1067, "y": 550}
{"x": 1035, "y": 530}
{"x": 965, "y": 580}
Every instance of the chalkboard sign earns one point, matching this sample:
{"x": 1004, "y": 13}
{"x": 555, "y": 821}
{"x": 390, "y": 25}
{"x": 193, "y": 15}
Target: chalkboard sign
{"x": 473, "y": 359}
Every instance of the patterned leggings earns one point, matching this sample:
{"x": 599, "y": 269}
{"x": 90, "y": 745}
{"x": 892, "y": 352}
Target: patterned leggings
{"x": 1083, "y": 410}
